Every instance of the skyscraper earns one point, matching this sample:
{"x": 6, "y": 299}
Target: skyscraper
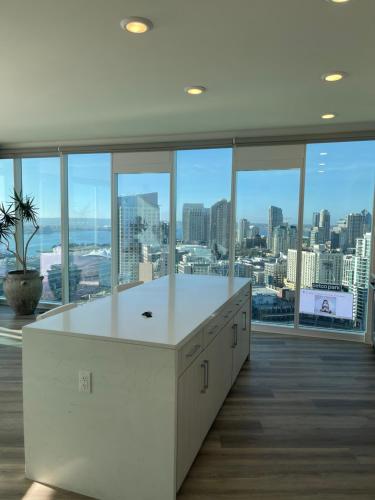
{"x": 360, "y": 278}
{"x": 195, "y": 223}
{"x": 315, "y": 219}
{"x": 139, "y": 224}
{"x": 280, "y": 239}
{"x": 367, "y": 221}
{"x": 325, "y": 224}
{"x": 328, "y": 267}
{"x": 220, "y": 224}
{"x": 317, "y": 266}
{"x": 275, "y": 273}
{"x": 292, "y": 237}
{"x": 316, "y": 236}
{"x": 354, "y": 224}
{"x": 243, "y": 230}
{"x": 275, "y": 218}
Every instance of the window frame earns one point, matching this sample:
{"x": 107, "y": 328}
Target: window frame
{"x": 150, "y": 162}
{"x": 171, "y": 148}
{"x": 262, "y": 159}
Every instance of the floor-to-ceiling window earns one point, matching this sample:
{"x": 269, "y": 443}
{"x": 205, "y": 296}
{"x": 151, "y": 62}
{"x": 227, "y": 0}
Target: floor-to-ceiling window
{"x": 266, "y": 239}
{"x": 336, "y": 253}
{"x": 267, "y": 189}
{"x": 41, "y": 181}
{"x": 89, "y": 195}
{"x": 142, "y": 183}
{"x": 203, "y": 211}
{"x": 301, "y": 231}
{"x": 143, "y": 212}
{"x": 7, "y": 261}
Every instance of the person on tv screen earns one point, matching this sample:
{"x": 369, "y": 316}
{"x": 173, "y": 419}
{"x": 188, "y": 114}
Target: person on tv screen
{"x": 325, "y": 307}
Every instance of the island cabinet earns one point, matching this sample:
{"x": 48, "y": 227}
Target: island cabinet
{"x": 205, "y": 383}
{"x": 155, "y": 385}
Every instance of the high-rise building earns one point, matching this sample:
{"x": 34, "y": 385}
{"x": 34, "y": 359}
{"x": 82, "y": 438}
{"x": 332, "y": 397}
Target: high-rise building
{"x": 275, "y": 273}
{"x": 275, "y": 218}
{"x": 367, "y": 221}
{"x": 164, "y": 233}
{"x": 315, "y": 219}
{"x": 328, "y": 266}
{"x": 317, "y": 266}
{"x": 348, "y": 271}
{"x": 292, "y": 237}
{"x": 325, "y": 224}
{"x": 139, "y": 224}
{"x": 360, "y": 278}
{"x": 280, "y": 239}
{"x": 339, "y": 238}
{"x": 243, "y": 230}
{"x": 316, "y": 236}
{"x": 195, "y": 223}
{"x": 355, "y": 223}
{"x": 220, "y": 226}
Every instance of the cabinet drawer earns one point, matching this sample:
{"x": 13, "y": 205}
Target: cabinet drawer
{"x": 212, "y": 329}
{"x": 227, "y": 312}
{"x": 238, "y": 301}
{"x": 246, "y": 293}
{"x": 190, "y": 351}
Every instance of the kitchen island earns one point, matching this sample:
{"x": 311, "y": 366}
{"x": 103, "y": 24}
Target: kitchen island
{"x": 117, "y": 404}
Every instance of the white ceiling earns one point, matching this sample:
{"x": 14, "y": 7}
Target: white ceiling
{"x": 69, "y": 73}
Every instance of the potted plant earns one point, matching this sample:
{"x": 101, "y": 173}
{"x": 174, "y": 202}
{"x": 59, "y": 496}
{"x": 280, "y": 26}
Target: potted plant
{"x": 22, "y": 288}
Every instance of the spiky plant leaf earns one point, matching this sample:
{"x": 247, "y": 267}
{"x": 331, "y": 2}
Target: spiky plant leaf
{"x": 26, "y": 207}
{"x": 5, "y": 232}
{"x": 8, "y": 216}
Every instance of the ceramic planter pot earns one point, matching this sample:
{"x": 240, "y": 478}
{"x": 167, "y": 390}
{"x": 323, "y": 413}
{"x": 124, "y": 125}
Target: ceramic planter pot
{"x": 23, "y": 291}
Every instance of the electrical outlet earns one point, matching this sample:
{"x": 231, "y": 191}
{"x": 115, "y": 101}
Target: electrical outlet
{"x": 84, "y": 381}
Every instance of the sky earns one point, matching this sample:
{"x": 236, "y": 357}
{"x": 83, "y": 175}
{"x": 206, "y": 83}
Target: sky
{"x": 339, "y": 178}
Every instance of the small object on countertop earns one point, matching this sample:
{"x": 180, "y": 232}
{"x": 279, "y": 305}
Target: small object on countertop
{"x": 147, "y": 314}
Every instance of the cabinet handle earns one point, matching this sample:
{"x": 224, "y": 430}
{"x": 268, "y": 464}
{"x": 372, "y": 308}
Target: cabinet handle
{"x": 203, "y": 365}
{"x": 235, "y": 339}
{"x": 194, "y": 350}
{"x": 206, "y": 363}
{"x": 244, "y": 320}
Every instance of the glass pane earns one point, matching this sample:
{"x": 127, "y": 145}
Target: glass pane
{"x": 337, "y": 235}
{"x": 7, "y": 261}
{"x": 266, "y": 240}
{"x": 41, "y": 180}
{"x": 89, "y": 184}
{"x": 203, "y": 211}
{"x": 143, "y": 214}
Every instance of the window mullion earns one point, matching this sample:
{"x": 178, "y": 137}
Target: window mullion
{"x": 301, "y": 207}
{"x": 64, "y": 228}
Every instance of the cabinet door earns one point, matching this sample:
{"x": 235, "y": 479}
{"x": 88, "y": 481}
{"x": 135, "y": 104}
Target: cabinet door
{"x": 241, "y": 338}
{"x": 218, "y": 357}
{"x": 190, "y": 415}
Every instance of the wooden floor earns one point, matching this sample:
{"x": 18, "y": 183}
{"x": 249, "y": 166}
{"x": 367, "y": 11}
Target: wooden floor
{"x": 9, "y": 320}
{"x": 299, "y": 424}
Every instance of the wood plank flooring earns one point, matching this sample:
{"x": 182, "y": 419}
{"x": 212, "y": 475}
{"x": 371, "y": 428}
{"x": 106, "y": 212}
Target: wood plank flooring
{"x": 9, "y": 320}
{"x": 299, "y": 424}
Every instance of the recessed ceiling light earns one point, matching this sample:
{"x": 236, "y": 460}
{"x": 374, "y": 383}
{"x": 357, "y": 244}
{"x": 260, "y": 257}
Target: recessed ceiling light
{"x": 328, "y": 116}
{"x": 320, "y": 171}
{"x": 323, "y": 153}
{"x": 136, "y": 25}
{"x": 335, "y": 76}
{"x": 338, "y": 1}
{"x": 322, "y": 164}
{"x": 195, "y": 90}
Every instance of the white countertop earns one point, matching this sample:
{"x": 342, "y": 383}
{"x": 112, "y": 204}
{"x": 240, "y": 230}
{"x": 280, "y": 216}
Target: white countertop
{"x": 179, "y": 303}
